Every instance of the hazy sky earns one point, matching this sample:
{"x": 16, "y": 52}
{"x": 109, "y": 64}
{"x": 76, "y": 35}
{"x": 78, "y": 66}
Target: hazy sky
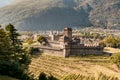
{"x": 5, "y": 2}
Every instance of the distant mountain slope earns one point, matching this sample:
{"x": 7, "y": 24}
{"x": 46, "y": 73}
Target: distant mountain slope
{"x": 57, "y": 14}
{"x": 106, "y": 13}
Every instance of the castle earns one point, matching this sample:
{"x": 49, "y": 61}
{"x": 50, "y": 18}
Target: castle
{"x": 66, "y": 45}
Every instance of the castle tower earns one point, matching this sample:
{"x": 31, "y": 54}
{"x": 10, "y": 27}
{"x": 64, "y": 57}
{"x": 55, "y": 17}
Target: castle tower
{"x": 68, "y": 32}
{"x": 52, "y": 35}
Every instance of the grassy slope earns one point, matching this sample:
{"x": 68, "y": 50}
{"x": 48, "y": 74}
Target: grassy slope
{"x": 60, "y": 67}
{"x": 113, "y": 50}
{"x": 6, "y": 78}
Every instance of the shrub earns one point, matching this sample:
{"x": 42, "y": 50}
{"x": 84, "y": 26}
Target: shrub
{"x": 51, "y": 77}
{"x": 30, "y": 41}
{"x": 25, "y": 59}
{"x": 33, "y": 50}
{"x": 43, "y": 76}
{"x": 115, "y": 58}
{"x": 13, "y": 69}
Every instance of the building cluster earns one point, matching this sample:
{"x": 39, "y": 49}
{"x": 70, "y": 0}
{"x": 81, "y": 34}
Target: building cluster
{"x": 66, "y": 45}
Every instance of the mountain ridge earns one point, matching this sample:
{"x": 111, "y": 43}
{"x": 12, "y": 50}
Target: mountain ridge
{"x": 57, "y": 14}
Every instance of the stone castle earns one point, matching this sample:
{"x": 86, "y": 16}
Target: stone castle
{"x": 66, "y": 45}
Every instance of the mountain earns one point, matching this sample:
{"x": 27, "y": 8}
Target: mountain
{"x": 106, "y": 13}
{"x": 57, "y": 14}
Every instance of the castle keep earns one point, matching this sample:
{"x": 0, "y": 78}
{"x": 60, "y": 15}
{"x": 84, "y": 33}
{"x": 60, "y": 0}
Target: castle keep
{"x": 66, "y": 45}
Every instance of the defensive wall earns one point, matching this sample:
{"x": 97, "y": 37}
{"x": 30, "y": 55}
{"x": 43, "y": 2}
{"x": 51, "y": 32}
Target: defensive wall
{"x": 68, "y": 50}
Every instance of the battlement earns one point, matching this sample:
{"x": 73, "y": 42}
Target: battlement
{"x": 83, "y": 47}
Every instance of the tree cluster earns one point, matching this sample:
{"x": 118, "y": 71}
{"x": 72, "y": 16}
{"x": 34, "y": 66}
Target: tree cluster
{"x": 111, "y": 41}
{"x": 92, "y": 35}
{"x": 13, "y": 58}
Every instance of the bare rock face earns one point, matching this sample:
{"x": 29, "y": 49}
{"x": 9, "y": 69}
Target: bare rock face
{"x": 57, "y": 14}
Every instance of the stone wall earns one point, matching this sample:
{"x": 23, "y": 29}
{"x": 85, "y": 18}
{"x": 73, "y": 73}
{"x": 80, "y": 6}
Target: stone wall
{"x": 54, "y": 52}
{"x": 80, "y": 49}
{"x": 84, "y": 52}
{"x": 54, "y": 44}
{"x": 68, "y": 50}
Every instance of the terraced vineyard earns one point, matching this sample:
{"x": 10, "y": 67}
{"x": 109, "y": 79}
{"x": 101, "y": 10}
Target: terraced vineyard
{"x": 99, "y": 76}
{"x": 61, "y": 67}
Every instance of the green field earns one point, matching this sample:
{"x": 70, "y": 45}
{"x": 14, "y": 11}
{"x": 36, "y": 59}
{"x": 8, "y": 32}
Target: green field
{"x": 63, "y": 67}
{"x": 6, "y": 78}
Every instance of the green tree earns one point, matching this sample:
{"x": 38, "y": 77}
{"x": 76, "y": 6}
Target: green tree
{"x": 5, "y": 49}
{"x": 30, "y": 41}
{"x": 19, "y": 54}
{"x": 117, "y": 44}
{"x": 42, "y": 40}
{"x": 109, "y": 41}
{"x": 16, "y": 43}
{"x": 13, "y": 58}
{"x": 43, "y": 76}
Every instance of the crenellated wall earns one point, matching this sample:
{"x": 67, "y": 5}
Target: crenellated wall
{"x": 68, "y": 50}
{"x": 81, "y": 49}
